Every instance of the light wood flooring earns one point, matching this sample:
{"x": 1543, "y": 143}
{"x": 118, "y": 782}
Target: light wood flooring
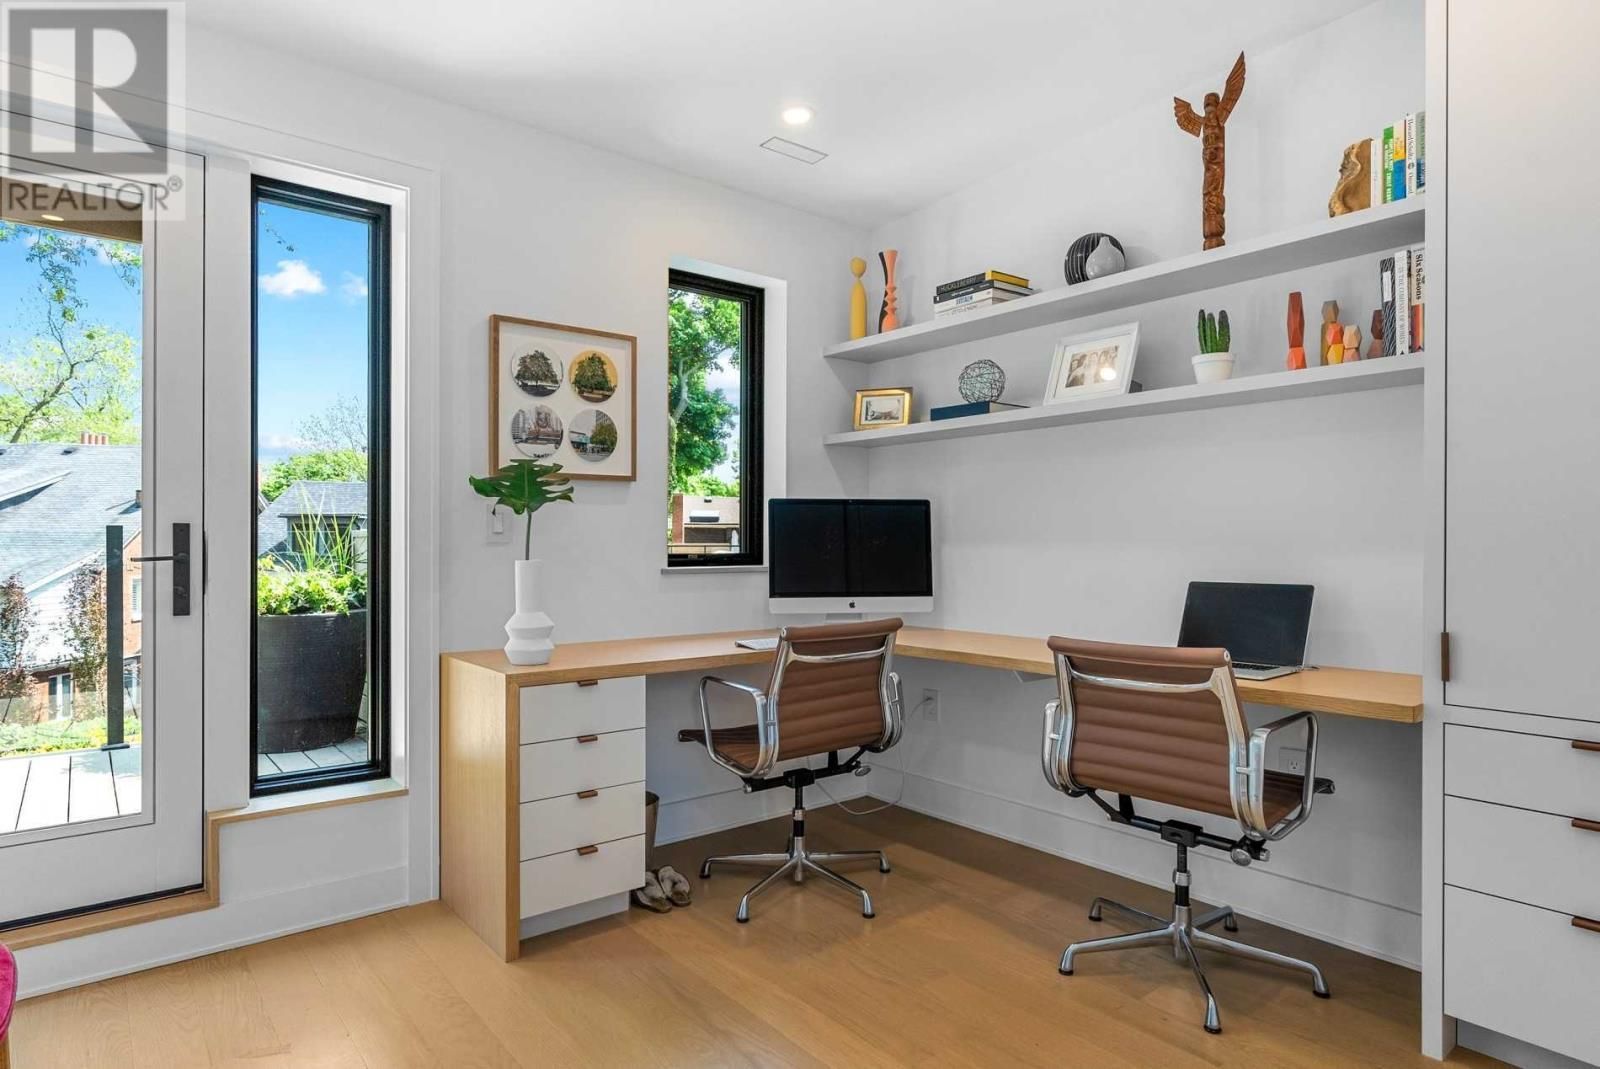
{"x": 958, "y": 968}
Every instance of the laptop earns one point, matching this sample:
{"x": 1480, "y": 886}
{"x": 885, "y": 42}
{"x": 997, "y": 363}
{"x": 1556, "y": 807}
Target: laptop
{"x": 1263, "y": 626}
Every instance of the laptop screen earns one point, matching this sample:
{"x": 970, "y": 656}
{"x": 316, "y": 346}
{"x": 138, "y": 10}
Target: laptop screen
{"x": 1260, "y": 623}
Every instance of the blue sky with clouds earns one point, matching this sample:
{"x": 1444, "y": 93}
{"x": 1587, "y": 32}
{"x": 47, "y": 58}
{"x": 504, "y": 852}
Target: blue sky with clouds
{"x": 312, "y": 294}
{"x": 108, "y": 300}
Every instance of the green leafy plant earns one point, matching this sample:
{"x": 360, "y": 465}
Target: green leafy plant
{"x": 323, "y": 466}
{"x": 326, "y": 572}
{"x": 1214, "y": 333}
{"x": 524, "y": 487}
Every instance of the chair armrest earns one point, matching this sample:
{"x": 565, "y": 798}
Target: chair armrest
{"x": 766, "y": 728}
{"x": 1257, "y": 759}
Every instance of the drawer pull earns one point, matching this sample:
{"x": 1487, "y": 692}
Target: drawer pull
{"x": 588, "y": 738}
{"x": 1585, "y": 744}
{"x": 1585, "y": 825}
{"x": 588, "y": 682}
{"x": 592, "y": 793}
{"x": 585, "y": 851}
{"x": 1586, "y": 924}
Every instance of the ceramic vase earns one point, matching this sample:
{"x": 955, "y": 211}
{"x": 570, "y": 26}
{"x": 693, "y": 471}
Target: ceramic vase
{"x": 529, "y": 629}
{"x": 1212, "y": 367}
{"x": 889, "y": 314}
{"x": 1106, "y": 259}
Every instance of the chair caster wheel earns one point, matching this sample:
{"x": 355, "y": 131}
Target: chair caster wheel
{"x": 883, "y": 866}
{"x": 868, "y": 916}
{"x": 1064, "y": 972}
{"x": 742, "y": 920}
{"x": 1230, "y": 925}
{"x": 1217, "y": 1031}
{"x": 1323, "y": 994}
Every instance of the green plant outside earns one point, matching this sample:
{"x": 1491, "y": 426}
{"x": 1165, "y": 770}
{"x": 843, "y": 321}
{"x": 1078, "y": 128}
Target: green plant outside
{"x": 55, "y": 736}
{"x": 326, "y": 576}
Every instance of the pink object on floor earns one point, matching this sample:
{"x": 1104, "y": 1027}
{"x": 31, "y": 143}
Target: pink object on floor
{"x": 8, "y": 990}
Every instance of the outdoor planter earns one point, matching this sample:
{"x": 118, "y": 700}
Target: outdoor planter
{"x": 311, "y": 669}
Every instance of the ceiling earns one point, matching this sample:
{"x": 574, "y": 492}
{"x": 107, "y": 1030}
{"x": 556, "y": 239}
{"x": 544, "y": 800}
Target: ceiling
{"x": 914, "y": 98}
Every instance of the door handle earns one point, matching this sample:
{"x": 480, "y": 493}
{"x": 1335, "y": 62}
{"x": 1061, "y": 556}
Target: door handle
{"x": 179, "y": 558}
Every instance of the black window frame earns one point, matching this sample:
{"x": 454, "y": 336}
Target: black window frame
{"x": 379, "y": 354}
{"x": 752, "y": 422}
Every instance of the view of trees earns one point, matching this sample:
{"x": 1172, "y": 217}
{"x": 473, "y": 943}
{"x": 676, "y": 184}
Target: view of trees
{"x": 16, "y": 625}
{"x": 702, "y": 336}
{"x": 337, "y": 444}
{"x": 83, "y": 631}
{"x": 73, "y": 375}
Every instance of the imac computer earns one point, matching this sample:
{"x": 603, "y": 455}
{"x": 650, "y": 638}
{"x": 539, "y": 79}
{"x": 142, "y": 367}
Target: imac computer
{"x": 832, "y": 555}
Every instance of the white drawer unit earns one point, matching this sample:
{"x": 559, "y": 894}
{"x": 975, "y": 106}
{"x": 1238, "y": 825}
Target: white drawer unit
{"x": 587, "y": 762}
{"x": 569, "y": 821}
{"x": 1558, "y": 772}
{"x": 589, "y": 707}
{"x": 1541, "y": 859}
{"x": 1523, "y": 971}
{"x": 573, "y": 877}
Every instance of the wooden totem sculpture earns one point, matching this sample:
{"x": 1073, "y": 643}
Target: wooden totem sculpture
{"x": 1331, "y": 331}
{"x": 1375, "y": 348}
{"x": 889, "y": 314}
{"x": 1297, "y": 332}
{"x": 1352, "y": 343}
{"x": 1209, "y": 128}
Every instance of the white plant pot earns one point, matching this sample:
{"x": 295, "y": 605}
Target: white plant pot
{"x": 1212, "y": 367}
{"x": 529, "y": 629}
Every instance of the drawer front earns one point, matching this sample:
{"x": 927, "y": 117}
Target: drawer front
{"x": 569, "y": 821}
{"x": 588, "y": 762}
{"x": 570, "y": 878}
{"x": 563, "y": 710}
{"x": 1532, "y": 771}
{"x": 1523, "y": 971}
{"x": 1531, "y": 857}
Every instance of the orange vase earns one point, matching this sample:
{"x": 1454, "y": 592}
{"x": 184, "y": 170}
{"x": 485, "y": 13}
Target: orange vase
{"x": 888, "y": 317}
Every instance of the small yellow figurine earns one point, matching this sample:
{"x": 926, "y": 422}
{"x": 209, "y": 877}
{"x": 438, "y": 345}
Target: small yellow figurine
{"x": 858, "y": 300}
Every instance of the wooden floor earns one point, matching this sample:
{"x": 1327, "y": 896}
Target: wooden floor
{"x": 958, "y": 968}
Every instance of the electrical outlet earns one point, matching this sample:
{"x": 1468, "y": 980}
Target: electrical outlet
{"x": 930, "y": 704}
{"x": 1294, "y": 759}
{"x": 497, "y": 530}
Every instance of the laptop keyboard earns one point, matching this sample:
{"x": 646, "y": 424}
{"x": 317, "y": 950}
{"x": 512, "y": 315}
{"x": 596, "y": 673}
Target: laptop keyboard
{"x": 1250, "y": 666}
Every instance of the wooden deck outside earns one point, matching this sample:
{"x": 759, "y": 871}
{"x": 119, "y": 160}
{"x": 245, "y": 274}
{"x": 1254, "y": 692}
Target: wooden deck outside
{"x": 49, "y": 790}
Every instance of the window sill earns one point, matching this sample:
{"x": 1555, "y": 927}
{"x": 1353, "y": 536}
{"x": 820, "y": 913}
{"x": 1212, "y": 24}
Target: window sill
{"x": 717, "y": 569}
{"x": 268, "y": 805}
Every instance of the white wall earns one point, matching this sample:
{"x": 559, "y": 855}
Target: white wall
{"x": 532, "y": 225}
{"x": 1094, "y": 530}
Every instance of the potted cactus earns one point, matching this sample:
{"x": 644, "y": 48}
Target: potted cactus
{"x": 1215, "y": 362}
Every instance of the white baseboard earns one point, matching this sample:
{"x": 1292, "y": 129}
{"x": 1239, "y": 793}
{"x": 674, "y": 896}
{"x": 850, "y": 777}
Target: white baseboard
{"x": 1372, "y": 928}
{"x": 1512, "y": 1051}
{"x": 72, "y": 962}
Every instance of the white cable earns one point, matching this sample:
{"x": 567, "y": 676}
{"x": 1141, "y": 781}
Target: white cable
{"x": 898, "y": 794}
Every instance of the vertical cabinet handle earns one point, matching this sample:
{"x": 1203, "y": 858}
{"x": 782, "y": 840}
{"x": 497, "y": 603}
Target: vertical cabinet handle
{"x": 585, "y": 851}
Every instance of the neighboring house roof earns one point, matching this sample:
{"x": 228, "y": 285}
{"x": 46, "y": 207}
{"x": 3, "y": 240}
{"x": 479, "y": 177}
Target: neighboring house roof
{"x": 329, "y": 500}
{"x": 56, "y": 501}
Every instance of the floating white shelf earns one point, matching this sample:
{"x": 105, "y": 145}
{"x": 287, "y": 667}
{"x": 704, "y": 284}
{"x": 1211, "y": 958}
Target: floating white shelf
{"x": 1378, "y": 374}
{"x": 1358, "y": 234}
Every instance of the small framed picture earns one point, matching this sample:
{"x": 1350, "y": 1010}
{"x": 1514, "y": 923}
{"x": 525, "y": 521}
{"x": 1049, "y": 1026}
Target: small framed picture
{"x": 876, "y": 409}
{"x": 1093, "y": 365}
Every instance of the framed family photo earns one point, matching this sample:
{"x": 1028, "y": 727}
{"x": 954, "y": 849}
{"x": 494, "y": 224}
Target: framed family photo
{"x": 1093, "y": 365}
{"x": 876, "y": 409}
{"x": 562, "y": 394}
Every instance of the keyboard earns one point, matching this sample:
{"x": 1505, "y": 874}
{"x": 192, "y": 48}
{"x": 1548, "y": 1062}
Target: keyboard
{"x": 1252, "y": 666}
{"x": 757, "y": 643}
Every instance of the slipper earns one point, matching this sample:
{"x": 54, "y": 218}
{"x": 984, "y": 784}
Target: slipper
{"x": 651, "y": 896}
{"x": 674, "y": 884}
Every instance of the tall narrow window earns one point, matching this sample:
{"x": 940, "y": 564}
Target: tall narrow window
{"x": 714, "y": 392}
{"x": 321, "y": 400}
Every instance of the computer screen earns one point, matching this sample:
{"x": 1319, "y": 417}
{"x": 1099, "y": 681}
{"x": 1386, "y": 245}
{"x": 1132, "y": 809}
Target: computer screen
{"x": 1260, "y": 623}
{"x": 835, "y": 549}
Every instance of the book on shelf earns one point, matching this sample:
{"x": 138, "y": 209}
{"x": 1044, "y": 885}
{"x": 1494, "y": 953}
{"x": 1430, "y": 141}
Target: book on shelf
{"x": 1419, "y": 291}
{"x": 1399, "y": 160}
{"x": 1411, "y": 154}
{"x": 972, "y": 408}
{"x": 1422, "y": 151}
{"x": 981, "y": 287}
{"x": 975, "y": 303}
{"x": 990, "y": 275}
{"x": 1402, "y": 289}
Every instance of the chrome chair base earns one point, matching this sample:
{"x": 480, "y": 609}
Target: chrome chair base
{"x": 1186, "y": 934}
{"x": 799, "y": 862}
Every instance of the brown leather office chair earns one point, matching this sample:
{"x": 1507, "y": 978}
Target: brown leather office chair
{"x": 832, "y": 689}
{"x": 1165, "y": 725}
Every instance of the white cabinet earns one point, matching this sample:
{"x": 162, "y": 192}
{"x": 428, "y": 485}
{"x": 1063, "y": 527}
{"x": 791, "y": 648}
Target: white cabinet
{"x": 1522, "y": 439}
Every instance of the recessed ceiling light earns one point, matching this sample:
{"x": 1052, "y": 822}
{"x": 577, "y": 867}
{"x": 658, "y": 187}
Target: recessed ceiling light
{"x": 47, "y": 217}
{"x": 798, "y": 115}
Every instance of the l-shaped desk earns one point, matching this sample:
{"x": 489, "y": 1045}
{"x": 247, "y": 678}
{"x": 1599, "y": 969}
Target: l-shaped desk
{"x": 542, "y": 766}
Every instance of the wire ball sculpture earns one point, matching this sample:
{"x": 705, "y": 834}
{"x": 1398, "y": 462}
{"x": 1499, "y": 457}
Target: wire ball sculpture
{"x": 982, "y": 380}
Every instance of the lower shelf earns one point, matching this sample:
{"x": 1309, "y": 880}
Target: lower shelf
{"x": 1378, "y": 374}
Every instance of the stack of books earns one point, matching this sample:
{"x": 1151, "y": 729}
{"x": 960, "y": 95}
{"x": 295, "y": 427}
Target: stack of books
{"x": 1402, "y": 288}
{"x": 1400, "y": 160}
{"x": 976, "y": 292}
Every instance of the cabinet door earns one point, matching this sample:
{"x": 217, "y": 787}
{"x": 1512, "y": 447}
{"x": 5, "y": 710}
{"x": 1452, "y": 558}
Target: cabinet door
{"x": 1522, "y": 508}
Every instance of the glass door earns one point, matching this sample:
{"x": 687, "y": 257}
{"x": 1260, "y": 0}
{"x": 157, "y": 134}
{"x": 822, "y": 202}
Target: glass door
{"x": 100, "y": 542}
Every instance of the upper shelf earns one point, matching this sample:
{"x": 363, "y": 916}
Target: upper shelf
{"x": 1358, "y": 234}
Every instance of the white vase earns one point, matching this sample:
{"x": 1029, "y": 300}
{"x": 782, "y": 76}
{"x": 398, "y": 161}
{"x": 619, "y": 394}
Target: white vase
{"x": 1106, "y": 259}
{"x": 529, "y": 628}
{"x": 1212, "y": 367}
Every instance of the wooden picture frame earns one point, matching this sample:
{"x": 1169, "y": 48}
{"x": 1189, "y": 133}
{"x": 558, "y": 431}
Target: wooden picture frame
{"x": 1082, "y": 361}
{"x": 866, "y": 420}
{"x": 539, "y": 409}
